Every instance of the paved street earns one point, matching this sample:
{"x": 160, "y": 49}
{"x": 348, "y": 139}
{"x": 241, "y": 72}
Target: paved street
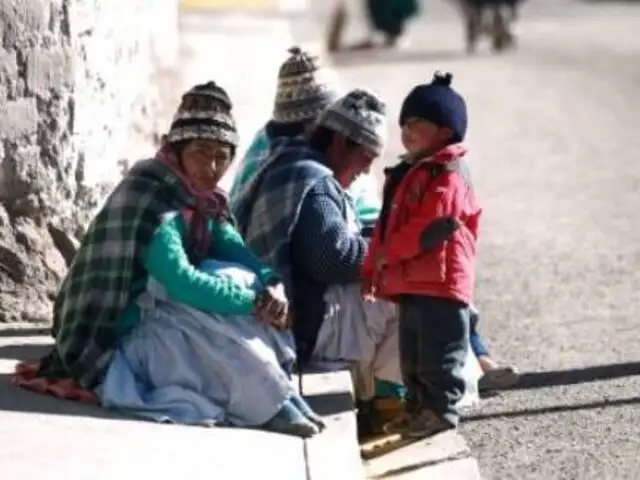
{"x": 553, "y": 132}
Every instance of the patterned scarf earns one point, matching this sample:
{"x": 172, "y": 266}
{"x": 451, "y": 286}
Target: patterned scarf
{"x": 207, "y": 205}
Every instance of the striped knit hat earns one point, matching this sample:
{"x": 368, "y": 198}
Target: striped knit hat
{"x": 360, "y": 116}
{"x": 303, "y": 90}
{"x": 204, "y": 112}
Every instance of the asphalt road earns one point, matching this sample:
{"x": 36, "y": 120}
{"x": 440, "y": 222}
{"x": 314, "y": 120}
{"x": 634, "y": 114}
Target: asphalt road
{"x": 554, "y": 142}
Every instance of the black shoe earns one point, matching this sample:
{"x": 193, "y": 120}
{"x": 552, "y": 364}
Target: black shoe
{"x": 365, "y": 419}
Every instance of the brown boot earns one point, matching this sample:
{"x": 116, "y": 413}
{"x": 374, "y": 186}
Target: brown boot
{"x": 374, "y": 414}
{"x": 386, "y": 409}
{"x": 422, "y": 424}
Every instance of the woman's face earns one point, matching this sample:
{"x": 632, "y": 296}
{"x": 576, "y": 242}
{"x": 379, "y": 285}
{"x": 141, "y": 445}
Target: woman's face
{"x": 205, "y": 162}
{"x": 351, "y": 161}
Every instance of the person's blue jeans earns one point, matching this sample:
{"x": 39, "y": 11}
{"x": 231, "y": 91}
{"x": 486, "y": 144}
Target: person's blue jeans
{"x": 478, "y": 346}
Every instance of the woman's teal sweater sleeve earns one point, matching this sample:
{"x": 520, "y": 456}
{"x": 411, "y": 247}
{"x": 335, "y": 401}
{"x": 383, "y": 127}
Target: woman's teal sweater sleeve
{"x": 229, "y": 246}
{"x": 167, "y": 262}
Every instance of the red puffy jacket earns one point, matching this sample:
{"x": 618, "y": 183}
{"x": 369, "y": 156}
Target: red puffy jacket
{"x": 397, "y": 262}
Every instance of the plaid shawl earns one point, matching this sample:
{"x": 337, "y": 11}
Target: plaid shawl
{"x": 268, "y": 206}
{"x": 108, "y": 272}
{"x": 364, "y": 191}
{"x": 257, "y": 152}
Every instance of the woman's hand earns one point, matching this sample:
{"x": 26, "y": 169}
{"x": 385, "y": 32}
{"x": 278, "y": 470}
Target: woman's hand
{"x": 272, "y": 306}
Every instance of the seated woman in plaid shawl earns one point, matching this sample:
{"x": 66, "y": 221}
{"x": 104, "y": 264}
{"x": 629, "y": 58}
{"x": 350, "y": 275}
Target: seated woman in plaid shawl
{"x": 165, "y": 312}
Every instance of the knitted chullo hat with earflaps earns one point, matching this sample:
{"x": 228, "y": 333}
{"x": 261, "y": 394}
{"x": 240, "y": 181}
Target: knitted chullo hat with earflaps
{"x": 360, "y": 116}
{"x": 304, "y": 89}
{"x": 204, "y": 112}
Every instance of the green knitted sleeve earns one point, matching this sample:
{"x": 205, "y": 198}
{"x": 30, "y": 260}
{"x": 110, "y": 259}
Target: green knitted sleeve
{"x": 167, "y": 262}
{"x": 229, "y": 246}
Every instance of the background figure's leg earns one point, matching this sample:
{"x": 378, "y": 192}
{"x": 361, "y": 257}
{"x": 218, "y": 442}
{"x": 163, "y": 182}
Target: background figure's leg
{"x": 473, "y": 24}
{"x": 363, "y": 381}
{"x": 479, "y": 347}
{"x": 494, "y": 376}
{"x": 337, "y": 23}
{"x": 502, "y": 37}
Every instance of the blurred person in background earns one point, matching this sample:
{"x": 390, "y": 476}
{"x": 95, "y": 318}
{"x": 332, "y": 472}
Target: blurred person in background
{"x": 493, "y": 18}
{"x": 386, "y": 19}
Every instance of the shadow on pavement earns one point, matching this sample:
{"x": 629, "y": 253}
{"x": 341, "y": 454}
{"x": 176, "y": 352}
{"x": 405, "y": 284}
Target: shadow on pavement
{"x": 15, "y": 399}
{"x": 576, "y": 376}
{"x": 555, "y": 409}
{"x": 31, "y": 331}
{"x": 333, "y": 403}
{"x": 24, "y": 352}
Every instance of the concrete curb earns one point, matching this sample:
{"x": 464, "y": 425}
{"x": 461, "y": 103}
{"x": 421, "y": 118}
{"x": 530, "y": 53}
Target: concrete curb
{"x": 108, "y": 445}
{"x": 445, "y": 457}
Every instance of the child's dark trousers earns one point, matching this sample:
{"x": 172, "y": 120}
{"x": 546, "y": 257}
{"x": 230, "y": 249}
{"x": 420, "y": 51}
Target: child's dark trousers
{"x": 434, "y": 335}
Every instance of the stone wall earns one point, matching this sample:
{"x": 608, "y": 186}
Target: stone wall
{"x": 84, "y": 85}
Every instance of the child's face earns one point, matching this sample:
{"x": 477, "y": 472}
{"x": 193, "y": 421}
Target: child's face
{"x": 418, "y": 135}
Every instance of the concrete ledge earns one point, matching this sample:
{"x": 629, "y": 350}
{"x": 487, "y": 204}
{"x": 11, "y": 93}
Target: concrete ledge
{"x": 334, "y": 454}
{"x": 44, "y": 437}
{"x": 445, "y": 456}
{"x": 77, "y": 447}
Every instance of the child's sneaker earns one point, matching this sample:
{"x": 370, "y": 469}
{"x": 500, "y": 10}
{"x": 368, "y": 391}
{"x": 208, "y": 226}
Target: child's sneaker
{"x": 420, "y": 425}
{"x": 365, "y": 420}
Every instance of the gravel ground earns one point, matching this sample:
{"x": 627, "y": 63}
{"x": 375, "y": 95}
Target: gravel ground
{"x": 553, "y": 132}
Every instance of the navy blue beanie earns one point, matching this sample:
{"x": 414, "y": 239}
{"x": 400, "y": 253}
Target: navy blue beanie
{"x": 438, "y": 103}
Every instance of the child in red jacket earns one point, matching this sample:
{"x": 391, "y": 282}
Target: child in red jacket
{"x": 422, "y": 255}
